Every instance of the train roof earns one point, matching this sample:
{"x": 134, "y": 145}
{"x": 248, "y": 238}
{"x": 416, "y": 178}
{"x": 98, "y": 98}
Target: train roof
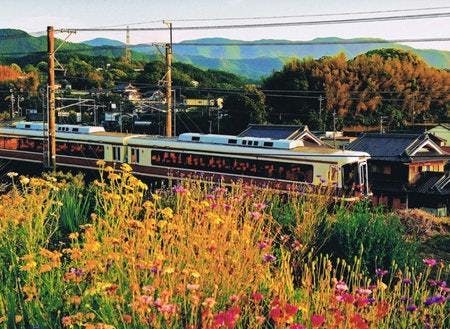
{"x": 68, "y": 132}
{"x": 226, "y": 144}
{"x": 307, "y": 152}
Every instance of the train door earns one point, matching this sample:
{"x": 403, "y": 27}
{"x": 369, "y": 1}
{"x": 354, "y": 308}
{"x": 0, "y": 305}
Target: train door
{"x": 116, "y": 153}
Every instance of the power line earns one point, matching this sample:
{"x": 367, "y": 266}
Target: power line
{"x": 277, "y": 17}
{"x": 268, "y": 25}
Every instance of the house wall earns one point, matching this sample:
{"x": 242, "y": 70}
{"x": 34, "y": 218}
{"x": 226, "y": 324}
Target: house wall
{"x": 416, "y": 168}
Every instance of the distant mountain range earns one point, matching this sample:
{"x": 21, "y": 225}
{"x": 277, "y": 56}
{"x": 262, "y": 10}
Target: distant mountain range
{"x": 259, "y": 59}
{"x": 253, "y": 61}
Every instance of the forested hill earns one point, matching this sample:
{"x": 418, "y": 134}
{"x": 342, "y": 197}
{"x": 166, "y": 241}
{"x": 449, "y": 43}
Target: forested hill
{"x": 253, "y": 61}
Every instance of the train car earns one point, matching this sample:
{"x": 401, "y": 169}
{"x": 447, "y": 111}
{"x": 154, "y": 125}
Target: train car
{"x": 261, "y": 161}
{"x": 76, "y": 146}
{"x": 281, "y": 163}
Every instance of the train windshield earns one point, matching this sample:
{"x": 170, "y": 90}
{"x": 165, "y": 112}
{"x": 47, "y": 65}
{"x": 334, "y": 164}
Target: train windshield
{"x": 354, "y": 177}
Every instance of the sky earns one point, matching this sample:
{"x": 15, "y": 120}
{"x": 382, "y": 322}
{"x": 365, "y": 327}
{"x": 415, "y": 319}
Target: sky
{"x": 34, "y": 16}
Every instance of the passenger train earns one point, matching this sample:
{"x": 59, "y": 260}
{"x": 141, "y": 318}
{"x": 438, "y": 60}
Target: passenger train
{"x": 277, "y": 162}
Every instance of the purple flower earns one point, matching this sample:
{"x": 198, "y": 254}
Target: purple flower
{"x": 442, "y": 284}
{"x": 438, "y": 299}
{"x": 432, "y": 283}
{"x": 370, "y": 300}
{"x": 179, "y": 189}
{"x": 267, "y": 258}
{"x": 262, "y": 244}
{"x": 430, "y": 262}
{"x": 380, "y": 273}
{"x": 411, "y": 308}
{"x": 77, "y": 271}
{"x": 407, "y": 281}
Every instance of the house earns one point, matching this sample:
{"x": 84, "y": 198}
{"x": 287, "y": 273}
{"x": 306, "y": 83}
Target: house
{"x": 127, "y": 91}
{"x": 399, "y": 169}
{"x": 291, "y": 132}
{"x": 442, "y": 131}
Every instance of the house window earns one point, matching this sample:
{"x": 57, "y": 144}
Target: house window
{"x": 387, "y": 170}
{"x": 375, "y": 169}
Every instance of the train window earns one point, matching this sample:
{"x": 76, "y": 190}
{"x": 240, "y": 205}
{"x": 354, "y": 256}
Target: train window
{"x": 75, "y": 130}
{"x": 255, "y": 143}
{"x": 134, "y": 155}
{"x": 116, "y": 153}
{"x": 27, "y": 126}
{"x": 268, "y": 144}
{"x": 80, "y": 150}
{"x": 232, "y": 141}
{"x": 244, "y": 142}
{"x": 259, "y": 168}
{"x": 195, "y": 138}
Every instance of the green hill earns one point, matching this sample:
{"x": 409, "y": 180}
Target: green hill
{"x": 253, "y": 61}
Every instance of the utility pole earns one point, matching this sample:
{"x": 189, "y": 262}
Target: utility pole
{"x": 334, "y": 127}
{"x": 169, "y": 83}
{"x": 381, "y": 124}
{"x": 127, "y": 46}
{"x": 174, "y": 112}
{"x": 320, "y": 112}
{"x": 11, "y": 113}
{"x": 51, "y": 159}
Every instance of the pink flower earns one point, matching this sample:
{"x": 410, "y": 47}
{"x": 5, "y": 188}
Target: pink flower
{"x": 227, "y": 319}
{"x": 290, "y": 310}
{"x": 255, "y": 215}
{"x": 296, "y": 326}
{"x": 257, "y": 297}
{"x": 317, "y": 320}
{"x": 341, "y": 286}
{"x": 267, "y": 258}
{"x": 430, "y": 262}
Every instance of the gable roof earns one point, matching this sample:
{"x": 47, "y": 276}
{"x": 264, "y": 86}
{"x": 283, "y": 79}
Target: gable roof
{"x": 396, "y": 147}
{"x": 290, "y": 132}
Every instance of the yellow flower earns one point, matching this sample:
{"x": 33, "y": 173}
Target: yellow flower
{"x": 24, "y": 180}
{"x": 125, "y": 167}
{"x": 382, "y": 285}
{"x": 167, "y": 213}
{"x": 29, "y": 266}
{"x": 74, "y": 236}
{"x": 156, "y": 197}
{"x": 101, "y": 163}
{"x": 169, "y": 270}
{"x": 12, "y": 174}
{"x": 195, "y": 274}
{"x": 18, "y": 318}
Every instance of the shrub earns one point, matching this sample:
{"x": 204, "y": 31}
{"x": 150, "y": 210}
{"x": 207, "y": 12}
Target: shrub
{"x": 376, "y": 237}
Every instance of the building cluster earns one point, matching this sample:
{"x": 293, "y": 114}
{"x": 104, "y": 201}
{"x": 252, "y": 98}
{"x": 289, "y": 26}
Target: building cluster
{"x": 406, "y": 170}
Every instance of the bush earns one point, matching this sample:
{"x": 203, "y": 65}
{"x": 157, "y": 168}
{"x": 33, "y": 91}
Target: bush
{"x": 377, "y": 237}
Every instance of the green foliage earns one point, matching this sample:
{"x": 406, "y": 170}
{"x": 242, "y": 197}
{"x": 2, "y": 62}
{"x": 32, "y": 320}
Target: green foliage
{"x": 245, "y": 108}
{"x": 375, "y": 236}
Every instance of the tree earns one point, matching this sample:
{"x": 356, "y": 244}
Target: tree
{"x": 245, "y": 108}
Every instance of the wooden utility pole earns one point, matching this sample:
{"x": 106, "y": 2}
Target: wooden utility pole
{"x": 169, "y": 84}
{"x": 169, "y": 89}
{"x": 51, "y": 158}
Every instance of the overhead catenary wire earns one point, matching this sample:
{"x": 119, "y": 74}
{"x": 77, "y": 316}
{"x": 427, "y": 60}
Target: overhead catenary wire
{"x": 266, "y": 25}
{"x": 276, "y": 17}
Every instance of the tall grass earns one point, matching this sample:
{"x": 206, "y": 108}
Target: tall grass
{"x": 194, "y": 256}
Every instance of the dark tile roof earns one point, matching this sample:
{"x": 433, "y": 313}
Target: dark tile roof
{"x": 431, "y": 182}
{"x": 272, "y": 131}
{"x": 385, "y": 146}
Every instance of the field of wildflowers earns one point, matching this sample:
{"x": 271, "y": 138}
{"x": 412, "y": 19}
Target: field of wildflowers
{"x": 117, "y": 255}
